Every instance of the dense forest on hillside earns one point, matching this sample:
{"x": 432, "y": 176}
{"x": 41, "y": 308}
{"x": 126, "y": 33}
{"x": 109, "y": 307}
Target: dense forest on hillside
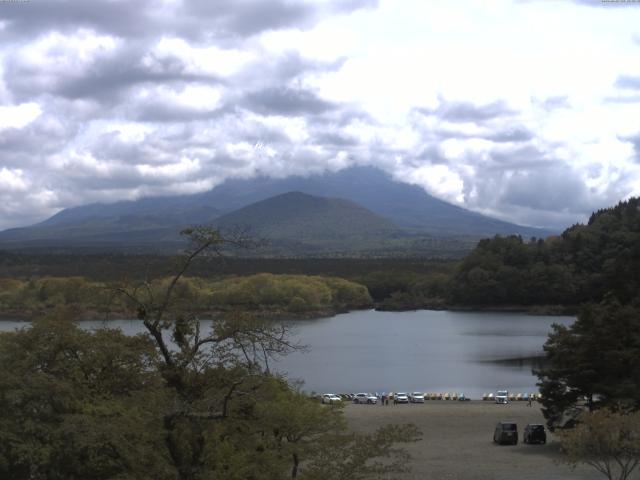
{"x": 586, "y": 263}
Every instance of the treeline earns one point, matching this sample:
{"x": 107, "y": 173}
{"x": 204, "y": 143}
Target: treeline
{"x": 292, "y": 293}
{"x": 392, "y": 283}
{"x": 262, "y": 292}
{"x": 585, "y": 264}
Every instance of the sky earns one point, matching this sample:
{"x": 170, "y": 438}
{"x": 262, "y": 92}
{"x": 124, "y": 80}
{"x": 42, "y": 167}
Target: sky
{"x": 524, "y": 110}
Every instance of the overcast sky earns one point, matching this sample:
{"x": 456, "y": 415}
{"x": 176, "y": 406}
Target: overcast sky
{"x": 524, "y": 110}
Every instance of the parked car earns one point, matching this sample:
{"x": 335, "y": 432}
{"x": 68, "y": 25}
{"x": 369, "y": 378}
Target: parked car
{"x": 330, "y": 398}
{"x": 401, "y": 397}
{"x": 365, "y": 398}
{"x": 534, "y": 433}
{"x": 502, "y": 396}
{"x": 416, "y": 397}
{"x": 506, "y": 432}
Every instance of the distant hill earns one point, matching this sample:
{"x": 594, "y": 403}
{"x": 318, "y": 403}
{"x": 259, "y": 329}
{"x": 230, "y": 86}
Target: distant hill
{"x": 309, "y": 221}
{"x": 296, "y": 215}
{"x": 156, "y": 221}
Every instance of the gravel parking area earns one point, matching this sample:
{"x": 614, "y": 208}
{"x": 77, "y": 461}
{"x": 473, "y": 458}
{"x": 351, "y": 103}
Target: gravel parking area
{"x": 457, "y": 441}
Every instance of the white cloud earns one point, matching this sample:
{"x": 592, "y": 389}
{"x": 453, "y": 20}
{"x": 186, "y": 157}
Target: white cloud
{"x": 482, "y": 104}
{"x": 19, "y": 116}
{"x": 209, "y": 60}
{"x": 13, "y": 180}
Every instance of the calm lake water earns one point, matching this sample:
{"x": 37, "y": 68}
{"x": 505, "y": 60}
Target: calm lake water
{"x": 425, "y": 350}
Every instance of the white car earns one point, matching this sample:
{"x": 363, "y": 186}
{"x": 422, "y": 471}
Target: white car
{"x": 365, "y": 398}
{"x": 331, "y": 398}
{"x": 401, "y": 397}
{"x": 502, "y": 396}
{"x": 416, "y": 397}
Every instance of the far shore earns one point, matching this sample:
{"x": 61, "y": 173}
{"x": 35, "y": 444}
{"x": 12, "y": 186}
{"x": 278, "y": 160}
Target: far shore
{"x": 88, "y": 315}
{"x": 280, "y": 315}
{"x": 559, "y": 310}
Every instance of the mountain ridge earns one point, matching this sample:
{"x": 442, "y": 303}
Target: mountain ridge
{"x": 142, "y": 222}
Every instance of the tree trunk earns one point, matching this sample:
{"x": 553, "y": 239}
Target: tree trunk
{"x": 296, "y": 462}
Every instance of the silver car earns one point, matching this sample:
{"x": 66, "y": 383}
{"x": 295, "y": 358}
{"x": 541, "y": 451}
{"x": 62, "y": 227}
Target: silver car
{"x": 331, "y": 398}
{"x": 365, "y": 398}
{"x": 416, "y": 397}
{"x": 401, "y": 397}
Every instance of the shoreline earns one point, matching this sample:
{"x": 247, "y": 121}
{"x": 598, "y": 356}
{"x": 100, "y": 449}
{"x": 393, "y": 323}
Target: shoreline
{"x": 90, "y": 315}
{"x": 547, "y": 310}
{"x": 280, "y": 315}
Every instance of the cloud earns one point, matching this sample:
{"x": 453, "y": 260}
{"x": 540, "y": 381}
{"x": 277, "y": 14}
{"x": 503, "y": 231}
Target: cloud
{"x": 198, "y": 20}
{"x": 628, "y": 81}
{"x": 607, "y": 3}
{"x": 635, "y": 142}
{"x": 88, "y": 66}
{"x": 461, "y": 111}
{"x": 336, "y": 139}
{"x": 553, "y": 102}
{"x": 30, "y": 19}
{"x": 286, "y": 101}
{"x": 113, "y": 99}
{"x": 18, "y": 116}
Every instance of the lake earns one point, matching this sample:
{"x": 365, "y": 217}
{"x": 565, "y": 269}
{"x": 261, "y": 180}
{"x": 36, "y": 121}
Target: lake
{"x": 425, "y": 350}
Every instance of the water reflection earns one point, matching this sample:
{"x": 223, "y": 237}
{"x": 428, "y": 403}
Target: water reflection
{"x": 431, "y": 351}
{"x": 467, "y": 352}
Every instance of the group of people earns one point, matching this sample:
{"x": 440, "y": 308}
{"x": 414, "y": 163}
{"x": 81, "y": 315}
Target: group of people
{"x": 383, "y": 398}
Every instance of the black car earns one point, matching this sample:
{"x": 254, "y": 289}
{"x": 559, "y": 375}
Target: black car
{"x": 506, "y": 432}
{"x": 534, "y": 433}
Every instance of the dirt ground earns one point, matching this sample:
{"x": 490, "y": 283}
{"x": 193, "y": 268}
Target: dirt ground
{"x": 457, "y": 441}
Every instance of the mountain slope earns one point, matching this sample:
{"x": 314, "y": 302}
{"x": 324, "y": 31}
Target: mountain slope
{"x": 301, "y": 217}
{"x": 157, "y": 220}
{"x": 408, "y": 206}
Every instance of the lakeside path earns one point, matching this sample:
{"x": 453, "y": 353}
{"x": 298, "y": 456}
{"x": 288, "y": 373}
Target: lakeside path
{"x": 457, "y": 441}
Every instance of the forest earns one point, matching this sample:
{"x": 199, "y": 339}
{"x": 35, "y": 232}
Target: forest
{"x": 586, "y": 263}
{"x": 265, "y": 293}
{"x": 555, "y": 275}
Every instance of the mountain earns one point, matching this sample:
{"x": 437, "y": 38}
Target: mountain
{"x": 408, "y": 206}
{"x": 154, "y": 221}
{"x": 309, "y": 221}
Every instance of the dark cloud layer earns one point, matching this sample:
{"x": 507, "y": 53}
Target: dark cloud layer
{"x": 105, "y": 78}
{"x": 194, "y": 19}
{"x": 287, "y": 101}
{"x": 468, "y": 112}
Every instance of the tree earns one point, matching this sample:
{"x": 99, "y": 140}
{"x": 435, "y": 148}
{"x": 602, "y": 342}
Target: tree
{"x": 593, "y": 363}
{"x": 607, "y": 441}
{"x": 80, "y": 405}
{"x": 181, "y": 402}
